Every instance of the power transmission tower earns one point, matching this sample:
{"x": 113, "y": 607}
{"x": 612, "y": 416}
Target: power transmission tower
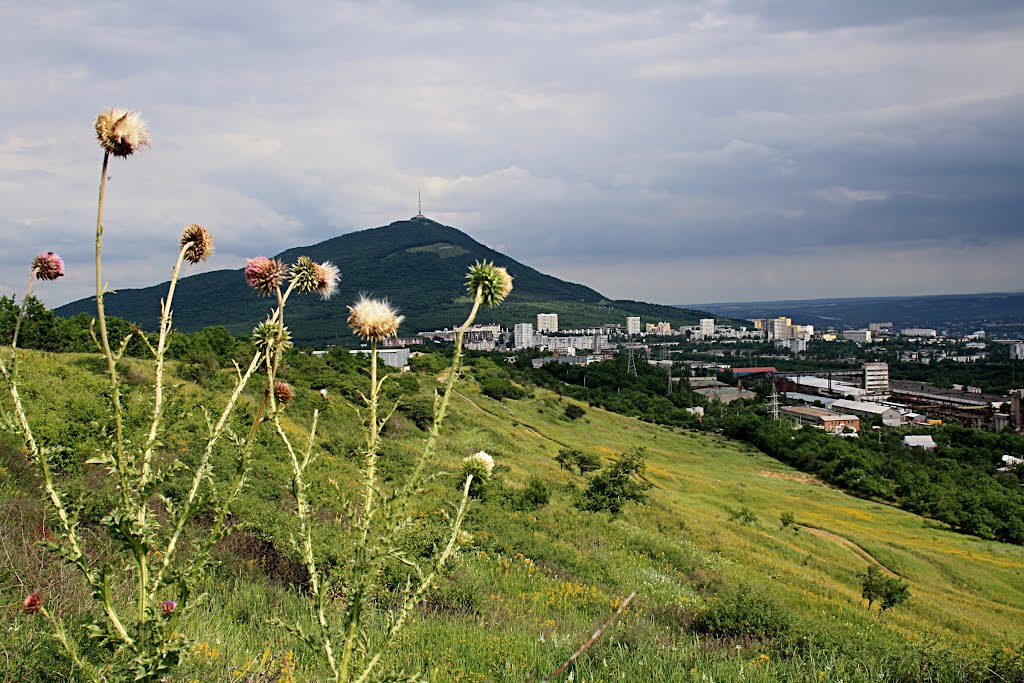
{"x": 631, "y": 363}
{"x": 773, "y": 403}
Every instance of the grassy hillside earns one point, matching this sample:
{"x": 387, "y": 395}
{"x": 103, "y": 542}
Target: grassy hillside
{"x": 418, "y": 264}
{"x": 725, "y": 593}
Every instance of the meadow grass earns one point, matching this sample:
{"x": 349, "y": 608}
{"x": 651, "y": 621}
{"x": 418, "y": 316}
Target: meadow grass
{"x": 531, "y": 585}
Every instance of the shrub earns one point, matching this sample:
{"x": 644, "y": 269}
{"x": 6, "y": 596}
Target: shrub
{"x": 786, "y": 518}
{"x": 534, "y": 495}
{"x": 500, "y": 388}
{"x": 890, "y": 591}
{"x": 743, "y": 515}
{"x": 574, "y": 411}
{"x": 577, "y": 461}
{"x": 617, "y": 484}
{"x": 742, "y": 612}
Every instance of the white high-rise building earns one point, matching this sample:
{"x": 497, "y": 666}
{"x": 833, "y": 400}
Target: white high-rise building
{"x": 633, "y": 325}
{"x": 707, "y": 327}
{"x": 876, "y": 378}
{"x": 522, "y": 335}
{"x": 547, "y": 322}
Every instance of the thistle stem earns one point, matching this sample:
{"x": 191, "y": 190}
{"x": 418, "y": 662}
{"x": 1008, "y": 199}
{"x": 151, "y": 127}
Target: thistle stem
{"x": 105, "y": 342}
{"x": 21, "y": 314}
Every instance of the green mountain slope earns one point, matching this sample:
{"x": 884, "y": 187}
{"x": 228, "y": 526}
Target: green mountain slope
{"x": 417, "y": 264}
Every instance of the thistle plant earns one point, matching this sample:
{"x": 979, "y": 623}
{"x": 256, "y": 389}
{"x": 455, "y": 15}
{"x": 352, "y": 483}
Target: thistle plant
{"x": 161, "y": 558}
{"x": 340, "y": 634}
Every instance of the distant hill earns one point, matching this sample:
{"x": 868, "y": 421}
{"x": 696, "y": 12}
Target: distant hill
{"x": 997, "y": 313}
{"x": 418, "y": 264}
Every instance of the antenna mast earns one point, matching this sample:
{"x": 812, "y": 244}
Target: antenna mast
{"x": 419, "y": 203}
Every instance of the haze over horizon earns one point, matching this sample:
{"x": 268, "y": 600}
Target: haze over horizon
{"x": 730, "y": 150}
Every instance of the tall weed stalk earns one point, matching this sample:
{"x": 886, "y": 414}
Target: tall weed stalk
{"x": 352, "y": 653}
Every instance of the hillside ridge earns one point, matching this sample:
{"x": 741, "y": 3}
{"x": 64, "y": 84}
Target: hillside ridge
{"x": 394, "y": 261}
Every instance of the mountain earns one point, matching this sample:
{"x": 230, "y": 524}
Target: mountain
{"x": 997, "y": 313}
{"x": 418, "y": 264}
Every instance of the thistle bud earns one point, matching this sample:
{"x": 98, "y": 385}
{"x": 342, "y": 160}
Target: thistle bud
{"x": 283, "y": 393}
{"x": 33, "y": 602}
{"x": 267, "y": 332}
{"x": 168, "y": 606}
{"x": 493, "y": 283}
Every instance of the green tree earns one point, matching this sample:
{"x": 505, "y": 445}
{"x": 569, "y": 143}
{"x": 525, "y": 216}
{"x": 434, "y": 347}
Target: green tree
{"x": 617, "y": 484}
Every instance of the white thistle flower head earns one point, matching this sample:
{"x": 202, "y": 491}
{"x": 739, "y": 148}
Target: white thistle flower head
{"x": 121, "y": 132}
{"x": 480, "y": 465}
{"x": 373, "y": 318}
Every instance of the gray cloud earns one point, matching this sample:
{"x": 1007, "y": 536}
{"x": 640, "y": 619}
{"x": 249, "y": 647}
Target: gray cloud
{"x": 711, "y": 151}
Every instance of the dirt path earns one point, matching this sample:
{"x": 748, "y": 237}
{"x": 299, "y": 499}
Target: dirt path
{"x": 522, "y": 424}
{"x": 843, "y": 541}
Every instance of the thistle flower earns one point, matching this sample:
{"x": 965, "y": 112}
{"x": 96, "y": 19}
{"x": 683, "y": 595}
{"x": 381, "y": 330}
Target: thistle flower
{"x": 480, "y": 465}
{"x": 327, "y": 279}
{"x": 199, "y": 243}
{"x": 310, "y": 276}
{"x": 168, "y": 606}
{"x": 264, "y": 275}
{"x": 121, "y": 132}
{"x": 373, "y": 319}
{"x": 33, "y": 602}
{"x": 493, "y": 282}
{"x": 48, "y": 266}
{"x": 283, "y": 392}
{"x": 266, "y": 334}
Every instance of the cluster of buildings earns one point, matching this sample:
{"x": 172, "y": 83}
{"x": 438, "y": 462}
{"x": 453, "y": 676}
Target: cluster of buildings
{"x": 545, "y": 335}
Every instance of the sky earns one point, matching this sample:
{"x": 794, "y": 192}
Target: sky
{"x": 669, "y": 152}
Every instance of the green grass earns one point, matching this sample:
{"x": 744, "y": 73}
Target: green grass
{"x": 531, "y": 586}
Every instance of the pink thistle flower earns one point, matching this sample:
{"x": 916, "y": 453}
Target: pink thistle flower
{"x": 48, "y": 266}
{"x": 264, "y": 275}
{"x": 121, "y": 132}
{"x": 33, "y": 603}
{"x": 283, "y": 392}
{"x": 327, "y": 276}
{"x": 168, "y": 606}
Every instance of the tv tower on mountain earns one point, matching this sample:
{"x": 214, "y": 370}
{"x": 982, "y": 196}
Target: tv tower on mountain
{"x": 419, "y": 204}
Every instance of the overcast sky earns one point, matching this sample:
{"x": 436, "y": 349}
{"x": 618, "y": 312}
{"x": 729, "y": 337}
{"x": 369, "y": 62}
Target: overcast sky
{"x": 669, "y": 152}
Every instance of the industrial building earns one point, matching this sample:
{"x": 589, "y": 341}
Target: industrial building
{"x": 876, "y": 379}
{"x": 833, "y": 423}
{"x": 890, "y": 416}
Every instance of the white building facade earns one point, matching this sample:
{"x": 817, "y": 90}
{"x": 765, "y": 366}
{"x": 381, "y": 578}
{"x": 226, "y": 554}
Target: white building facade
{"x": 522, "y": 335}
{"x": 547, "y": 322}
